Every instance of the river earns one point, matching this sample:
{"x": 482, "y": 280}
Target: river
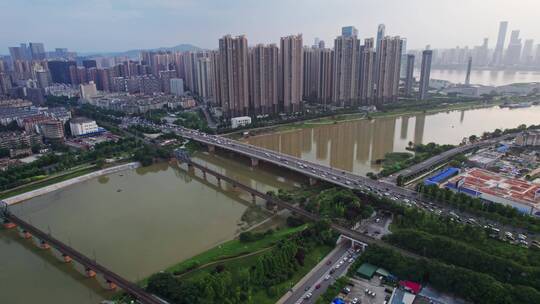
{"x": 134, "y": 222}
{"x": 483, "y": 77}
{"x": 141, "y": 221}
{"x": 356, "y": 145}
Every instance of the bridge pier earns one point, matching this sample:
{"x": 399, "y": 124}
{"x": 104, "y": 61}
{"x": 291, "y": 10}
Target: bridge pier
{"x": 24, "y": 233}
{"x": 9, "y": 225}
{"x": 44, "y": 245}
{"x": 219, "y": 182}
{"x": 312, "y": 181}
{"x": 27, "y": 235}
{"x": 90, "y": 273}
{"x": 253, "y": 198}
{"x": 111, "y": 286}
{"x": 254, "y": 162}
{"x": 67, "y": 258}
{"x": 211, "y": 148}
{"x": 204, "y": 174}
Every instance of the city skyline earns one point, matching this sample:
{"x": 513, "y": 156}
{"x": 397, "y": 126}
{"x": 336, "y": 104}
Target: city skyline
{"x": 193, "y": 22}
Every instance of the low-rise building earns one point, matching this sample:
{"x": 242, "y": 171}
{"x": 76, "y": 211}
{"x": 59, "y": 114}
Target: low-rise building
{"x": 495, "y": 188}
{"x": 52, "y": 130}
{"x": 88, "y": 90}
{"x": 15, "y": 140}
{"x": 240, "y": 121}
{"x": 80, "y": 126}
{"x": 528, "y": 138}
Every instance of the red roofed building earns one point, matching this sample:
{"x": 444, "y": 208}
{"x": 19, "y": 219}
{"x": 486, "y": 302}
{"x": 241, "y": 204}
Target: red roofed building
{"x": 492, "y": 187}
{"x": 411, "y": 286}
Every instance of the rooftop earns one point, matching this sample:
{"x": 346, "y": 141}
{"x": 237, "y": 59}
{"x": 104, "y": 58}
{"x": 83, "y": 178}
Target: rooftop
{"x": 81, "y": 120}
{"x": 491, "y": 183}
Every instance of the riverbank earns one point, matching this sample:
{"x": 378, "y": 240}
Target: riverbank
{"x": 15, "y": 199}
{"x": 344, "y": 118}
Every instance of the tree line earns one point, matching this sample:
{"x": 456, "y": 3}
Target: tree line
{"x": 468, "y": 284}
{"x": 222, "y": 285}
{"x": 498, "y": 212}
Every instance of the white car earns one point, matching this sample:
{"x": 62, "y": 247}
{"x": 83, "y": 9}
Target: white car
{"x": 327, "y": 277}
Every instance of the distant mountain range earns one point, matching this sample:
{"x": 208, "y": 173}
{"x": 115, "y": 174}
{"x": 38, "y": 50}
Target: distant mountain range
{"x": 184, "y": 47}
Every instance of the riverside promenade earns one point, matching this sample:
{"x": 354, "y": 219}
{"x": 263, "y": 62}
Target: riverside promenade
{"x": 41, "y": 191}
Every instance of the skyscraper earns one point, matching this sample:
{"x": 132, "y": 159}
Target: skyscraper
{"x": 380, "y": 35}
{"x": 468, "y": 76}
{"x": 60, "y": 71}
{"x": 291, "y": 73}
{"x": 367, "y": 71}
{"x": 263, "y": 80}
{"x": 16, "y": 53}
{"x": 346, "y": 70}
{"x": 233, "y": 80}
{"x": 409, "y": 75}
{"x": 37, "y": 50}
{"x": 527, "y": 53}
{"x": 424, "y": 74}
{"x": 499, "y": 47}
{"x": 349, "y": 31}
{"x": 388, "y": 65}
{"x": 513, "y": 52}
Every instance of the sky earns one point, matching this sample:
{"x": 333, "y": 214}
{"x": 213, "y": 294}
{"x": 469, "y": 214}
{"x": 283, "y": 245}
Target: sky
{"x": 119, "y": 25}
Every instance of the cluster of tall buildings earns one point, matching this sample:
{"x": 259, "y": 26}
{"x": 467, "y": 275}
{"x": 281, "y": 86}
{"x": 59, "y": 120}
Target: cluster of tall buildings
{"x": 241, "y": 80}
{"x": 509, "y": 51}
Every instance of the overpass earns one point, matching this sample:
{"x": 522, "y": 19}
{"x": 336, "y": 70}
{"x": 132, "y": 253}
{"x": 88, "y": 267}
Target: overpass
{"x": 418, "y": 170}
{"x": 315, "y": 172}
{"x": 69, "y": 254}
{"x": 344, "y": 231}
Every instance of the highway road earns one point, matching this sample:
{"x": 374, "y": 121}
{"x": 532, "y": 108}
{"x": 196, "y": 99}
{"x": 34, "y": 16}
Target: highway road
{"x": 335, "y": 176}
{"x": 317, "y": 277}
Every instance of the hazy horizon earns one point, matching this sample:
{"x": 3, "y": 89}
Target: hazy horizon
{"x": 121, "y": 25}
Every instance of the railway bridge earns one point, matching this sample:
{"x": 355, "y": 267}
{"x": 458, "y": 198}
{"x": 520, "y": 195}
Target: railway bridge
{"x": 68, "y": 254}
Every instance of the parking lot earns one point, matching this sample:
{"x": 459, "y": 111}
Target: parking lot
{"x": 376, "y": 295}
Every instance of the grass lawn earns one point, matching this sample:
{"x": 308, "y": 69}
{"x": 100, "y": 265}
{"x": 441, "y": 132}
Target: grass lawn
{"x": 231, "y": 249}
{"x": 47, "y": 182}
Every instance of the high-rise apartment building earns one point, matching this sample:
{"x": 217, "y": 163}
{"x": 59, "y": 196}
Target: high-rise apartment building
{"x": 177, "y": 86}
{"x": 16, "y": 53}
{"x": 233, "y": 80}
{"x": 290, "y": 73}
{"x": 346, "y": 70}
{"x": 37, "y": 50}
{"x": 61, "y": 72}
{"x": 204, "y": 77}
{"x": 89, "y": 63}
{"x": 388, "y": 66}
{"x": 318, "y": 73}
{"x": 216, "y": 68}
{"x": 263, "y": 79}
{"x": 367, "y": 72}
{"x": 409, "y": 75}
{"x": 499, "y": 47}
{"x": 425, "y": 74}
